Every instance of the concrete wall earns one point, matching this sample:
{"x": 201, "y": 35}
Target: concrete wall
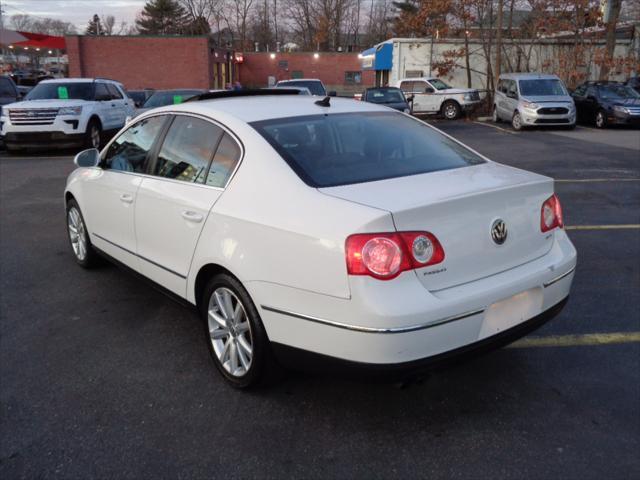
{"x": 416, "y": 54}
{"x": 139, "y": 62}
{"x": 328, "y": 67}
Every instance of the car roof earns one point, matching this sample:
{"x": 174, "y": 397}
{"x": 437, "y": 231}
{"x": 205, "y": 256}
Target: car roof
{"x": 77, "y": 80}
{"x": 529, "y": 76}
{"x": 257, "y": 108}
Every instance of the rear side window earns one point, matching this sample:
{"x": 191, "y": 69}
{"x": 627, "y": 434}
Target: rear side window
{"x": 128, "y": 152}
{"x": 224, "y": 162}
{"x": 341, "y": 149}
{"x": 187, "y": 149}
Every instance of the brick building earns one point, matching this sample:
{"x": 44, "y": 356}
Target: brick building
{"x": 164, "y": 62}
{"x": 341, "y": 72}
{"x": 152, "y": 61}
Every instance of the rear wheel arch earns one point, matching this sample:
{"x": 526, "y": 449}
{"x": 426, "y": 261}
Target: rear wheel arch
{"x": 205, "y": 273}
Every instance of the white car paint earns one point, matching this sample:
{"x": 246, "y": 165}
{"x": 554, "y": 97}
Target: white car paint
{"x": 285, "y": 242}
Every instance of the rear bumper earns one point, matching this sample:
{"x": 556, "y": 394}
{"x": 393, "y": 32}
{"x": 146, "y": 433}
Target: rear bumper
{"x": 298, "y": 359}
{"x": 388, "y": 323}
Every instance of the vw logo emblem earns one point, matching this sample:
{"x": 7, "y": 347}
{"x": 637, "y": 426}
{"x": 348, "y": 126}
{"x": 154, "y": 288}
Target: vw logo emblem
{"x": 499, "y": 231}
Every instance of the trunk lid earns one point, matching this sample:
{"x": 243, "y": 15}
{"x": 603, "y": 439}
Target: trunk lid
{"x": 459, "y": 207}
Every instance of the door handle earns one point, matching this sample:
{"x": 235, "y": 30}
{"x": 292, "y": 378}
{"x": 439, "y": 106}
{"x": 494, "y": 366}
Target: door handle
{"x": 126, "y": 198}
{"x": 192, "y": 216}
{"x": 113, "y": 104}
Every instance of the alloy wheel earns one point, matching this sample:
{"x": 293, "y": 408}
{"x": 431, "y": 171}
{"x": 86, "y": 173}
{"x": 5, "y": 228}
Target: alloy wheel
{"x": 495, "y": 115}
{"x": 600, "y": 121}
{"x": 230, "y": 332}
{"x": 516, "y": 122}
{"x": 77, "y": 233}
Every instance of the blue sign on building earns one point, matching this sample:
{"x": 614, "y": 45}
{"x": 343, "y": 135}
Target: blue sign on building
{"x": 378, "y": 57}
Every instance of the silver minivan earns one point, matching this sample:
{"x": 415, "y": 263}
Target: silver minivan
{"x": 533, "y": 99}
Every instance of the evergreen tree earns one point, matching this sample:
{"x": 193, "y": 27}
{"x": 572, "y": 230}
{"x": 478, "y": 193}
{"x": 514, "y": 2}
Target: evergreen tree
{"x": 94, "y": 27}
{"x": 161, "y": 17}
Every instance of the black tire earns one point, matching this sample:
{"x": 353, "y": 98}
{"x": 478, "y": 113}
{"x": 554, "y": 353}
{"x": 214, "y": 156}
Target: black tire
{"x": 451, "y": 110}
{"x": 516, "y": 121}
{"x": 496, "y": 117}
{"x": 89, "y": 258}
{"x": 263, "y": 368}
{"x": 90, "y": 138}
{"x": 600, "y": 120}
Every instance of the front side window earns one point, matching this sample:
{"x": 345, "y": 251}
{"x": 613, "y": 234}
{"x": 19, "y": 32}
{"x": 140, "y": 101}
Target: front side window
{"x": 62, "y": 91}
{"x": 128, "y": 152}
{"x": 438, "y": 84}
{"x": 102, "y": 93}
{"x": 512, "y": 90}
{"x": 347, "y": 148}
{"x": 114, "y": 92}
{"x": 187, "y": 149}
{"x": 542, "y": 87}
{"x": 617, "y": 92}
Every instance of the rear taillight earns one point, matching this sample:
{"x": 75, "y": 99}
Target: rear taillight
{"x": 551, "y": 214}
{"x": 386, "y": 255}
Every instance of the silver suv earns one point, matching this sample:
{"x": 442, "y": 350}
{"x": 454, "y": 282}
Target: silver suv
{"x": 533, "y": 99}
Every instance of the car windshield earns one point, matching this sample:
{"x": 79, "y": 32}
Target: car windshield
{"x": 62, "y": 91}
{"x": 384, "y": 95}
{"x": 617, "y": 92}
{"x": 542, "y": 87}
{"x": 438, "y": 84}
{"x": 346, "y": 148}
{"x": 314, "y": 87}
{"x": 170, "y": 97}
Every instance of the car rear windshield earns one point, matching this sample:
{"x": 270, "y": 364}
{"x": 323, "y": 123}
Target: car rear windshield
{"x": 383, "y": 95}
{"x": 346, "y": 148}
{"x": 315, "y": 88}
{"x": 170, "y": 97}
{"x": 62, "y": 91}
{"x": 541, "y": 87}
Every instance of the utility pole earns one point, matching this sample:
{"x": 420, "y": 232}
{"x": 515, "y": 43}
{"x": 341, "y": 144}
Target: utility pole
{"x": 496, "y": 73}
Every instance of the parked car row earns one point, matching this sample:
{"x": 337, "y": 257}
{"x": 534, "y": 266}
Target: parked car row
{"x": 74, "y": 112}
{"x": 532, "y": 99}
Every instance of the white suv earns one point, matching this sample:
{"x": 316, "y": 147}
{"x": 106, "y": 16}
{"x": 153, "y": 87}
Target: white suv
{"x": 66, "y": 112}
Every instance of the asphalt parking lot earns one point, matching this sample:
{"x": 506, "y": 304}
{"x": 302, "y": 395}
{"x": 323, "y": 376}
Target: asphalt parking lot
{"x": 102, "y": 376}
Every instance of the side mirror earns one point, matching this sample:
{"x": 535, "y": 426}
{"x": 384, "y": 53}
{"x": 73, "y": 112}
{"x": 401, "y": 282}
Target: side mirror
{"x": 332, "y": 93}
{"x": 410, "y": 98}
{"x": 591, "y": 98}
{"x": 428, "y": 90}
{"x": 87, "y": 158}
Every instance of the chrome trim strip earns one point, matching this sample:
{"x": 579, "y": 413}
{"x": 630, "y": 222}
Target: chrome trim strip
{"x": 140, "y": 256}
{"x": 356, "y": 328}
{"x": 558, "y": 278}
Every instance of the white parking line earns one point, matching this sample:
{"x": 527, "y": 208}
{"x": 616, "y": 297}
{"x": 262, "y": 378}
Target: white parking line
{"x": 512, "y": 132}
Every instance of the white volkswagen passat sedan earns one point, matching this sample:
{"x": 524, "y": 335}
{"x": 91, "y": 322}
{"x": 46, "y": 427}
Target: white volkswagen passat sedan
{"x": 306, "y": 230}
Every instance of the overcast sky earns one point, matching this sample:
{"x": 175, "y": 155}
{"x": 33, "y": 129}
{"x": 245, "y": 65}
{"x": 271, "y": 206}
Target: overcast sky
{"x": 77, "y": 12}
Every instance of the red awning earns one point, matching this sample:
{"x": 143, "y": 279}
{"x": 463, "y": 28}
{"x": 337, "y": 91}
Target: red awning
{"x": 44, "y": 42}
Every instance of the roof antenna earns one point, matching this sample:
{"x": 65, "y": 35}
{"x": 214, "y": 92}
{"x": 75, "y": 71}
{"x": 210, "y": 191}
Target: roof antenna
{"x": 325, "y": 102}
